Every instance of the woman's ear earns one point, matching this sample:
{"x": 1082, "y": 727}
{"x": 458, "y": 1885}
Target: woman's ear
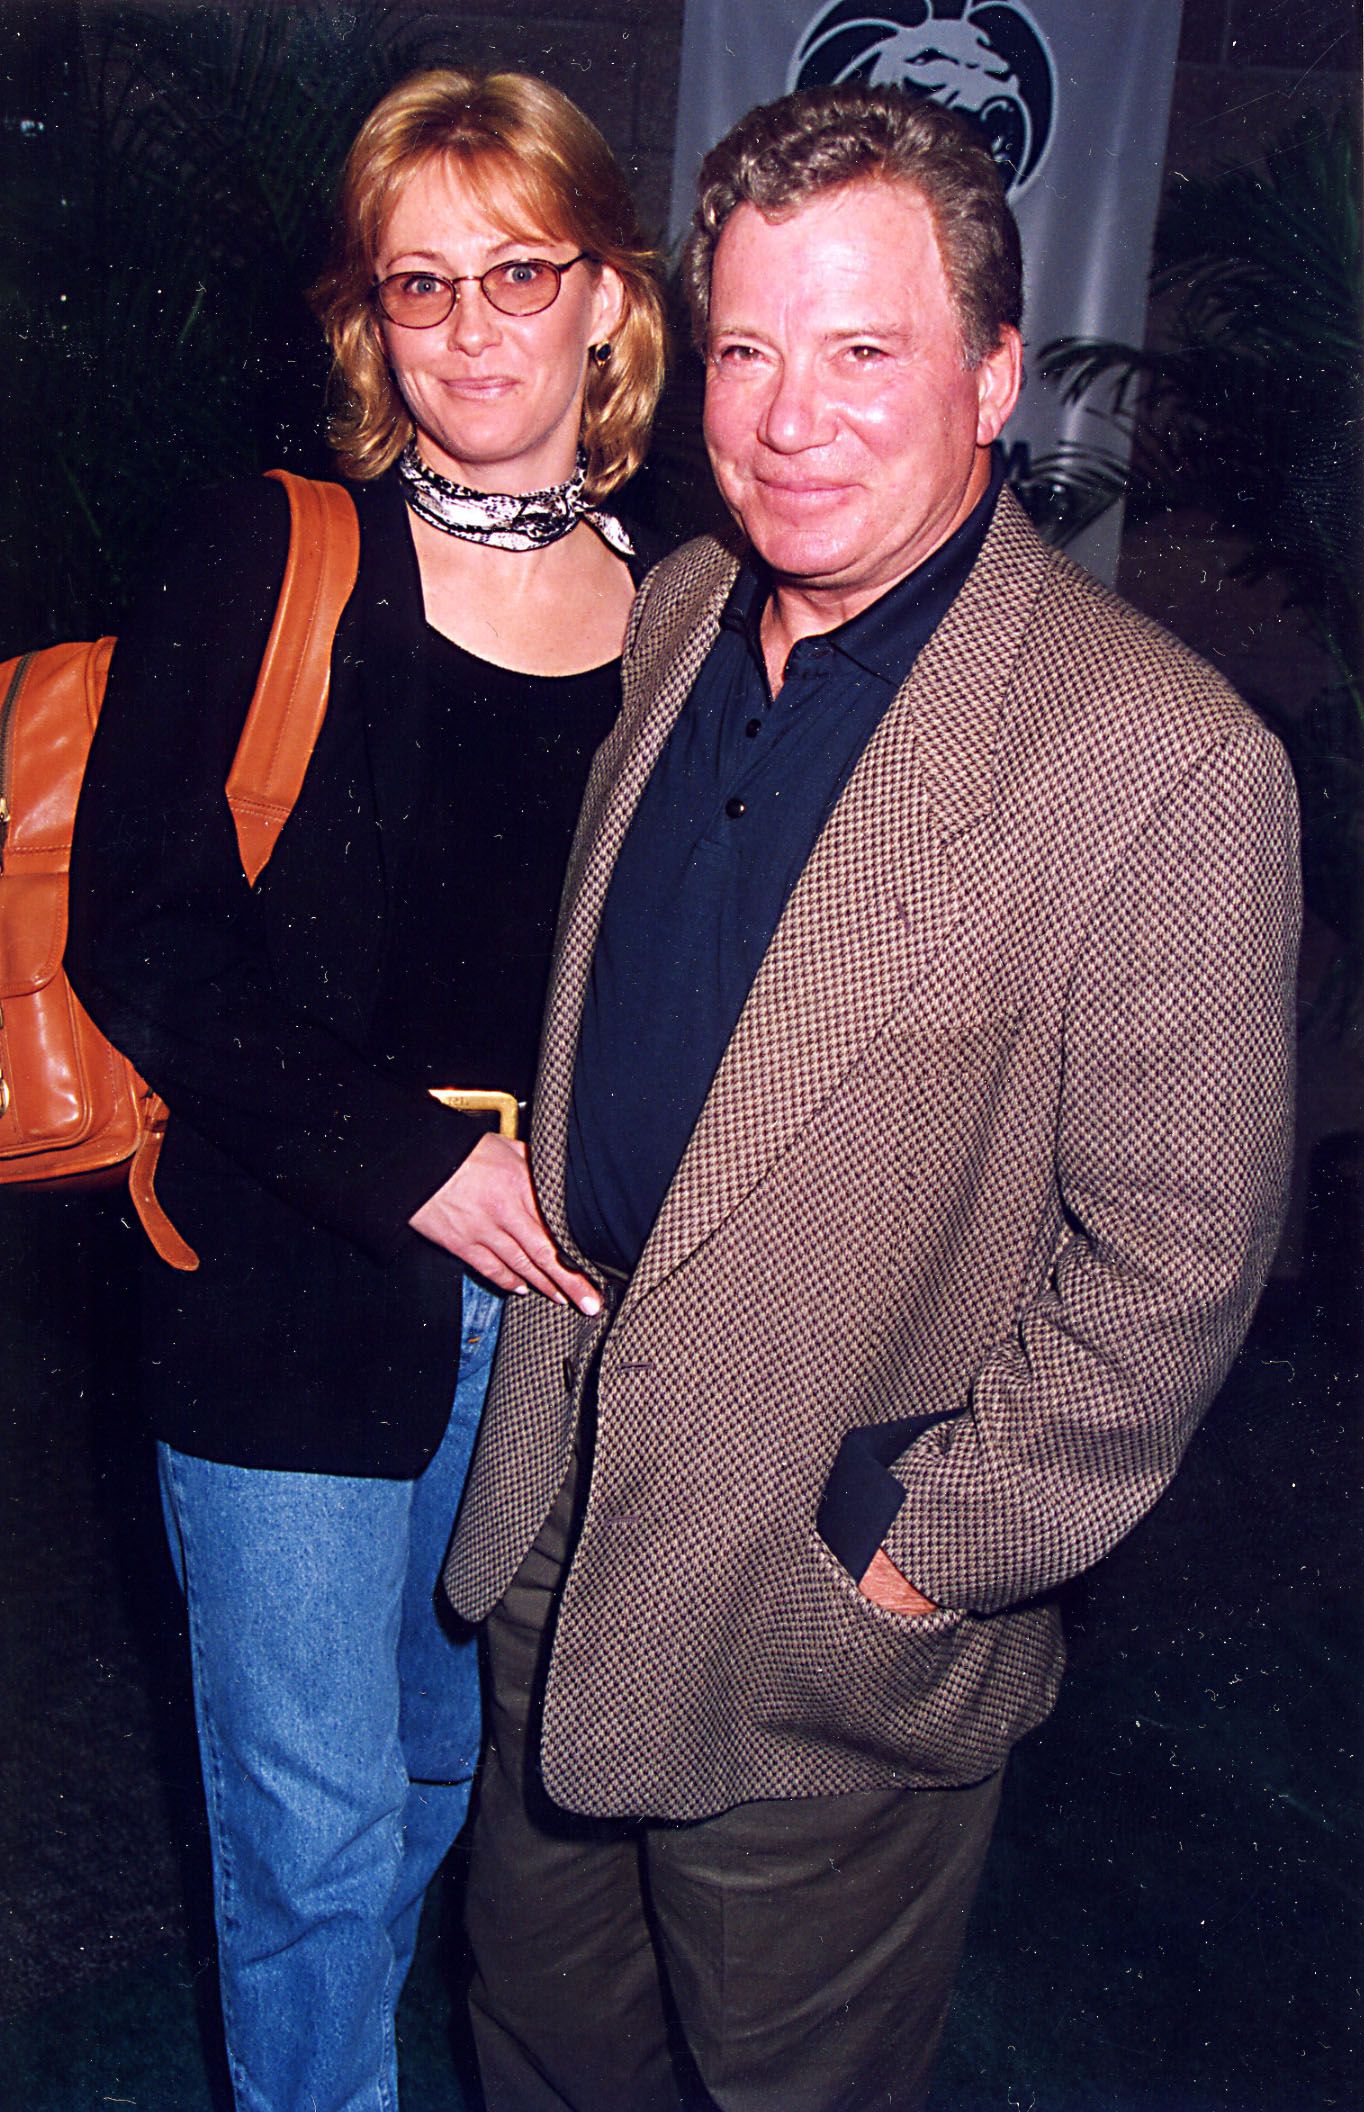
{"x": 609, "y": 309}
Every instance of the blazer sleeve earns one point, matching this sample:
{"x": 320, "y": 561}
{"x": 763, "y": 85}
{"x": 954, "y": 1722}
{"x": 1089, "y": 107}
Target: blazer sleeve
{"x": 1173, "y": 1155}
{"x": 168, "y": 947}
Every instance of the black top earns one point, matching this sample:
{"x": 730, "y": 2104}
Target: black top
{"x": 504, "y": 759}
{"x": 320, "y": 1333}
{"x": 721, "y": 835}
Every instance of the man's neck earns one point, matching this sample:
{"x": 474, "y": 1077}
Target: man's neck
{"x": 798, "y": 609}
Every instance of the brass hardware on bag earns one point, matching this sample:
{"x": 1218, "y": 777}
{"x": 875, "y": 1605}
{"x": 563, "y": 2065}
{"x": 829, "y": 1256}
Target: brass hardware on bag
{"x": 504, "y": 1105}
{"x": 4, "y": 1094}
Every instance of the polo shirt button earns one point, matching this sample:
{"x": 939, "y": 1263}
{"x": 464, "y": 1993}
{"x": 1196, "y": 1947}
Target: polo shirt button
{"x": 753, "y": 728}
{"x": 734, "y": 808}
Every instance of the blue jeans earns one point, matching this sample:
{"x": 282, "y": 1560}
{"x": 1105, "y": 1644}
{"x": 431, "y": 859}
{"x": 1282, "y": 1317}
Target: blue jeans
{"x": 338, "y": 1733}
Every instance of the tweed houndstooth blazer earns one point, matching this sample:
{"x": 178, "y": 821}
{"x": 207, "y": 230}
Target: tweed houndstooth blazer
{"x": 1000, "y": 1143}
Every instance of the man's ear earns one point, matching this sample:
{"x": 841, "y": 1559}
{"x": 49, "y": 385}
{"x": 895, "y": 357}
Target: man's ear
{"x": 999, "y": 377}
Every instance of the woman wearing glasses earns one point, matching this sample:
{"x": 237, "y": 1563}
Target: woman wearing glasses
{"x": 496, "y": 326}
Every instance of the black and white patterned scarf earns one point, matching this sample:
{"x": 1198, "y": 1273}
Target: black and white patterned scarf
{"x": 523, "y": 520}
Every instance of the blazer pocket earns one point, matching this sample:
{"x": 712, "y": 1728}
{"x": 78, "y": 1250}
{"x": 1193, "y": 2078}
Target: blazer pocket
{"x": 928, "y": 1630}
{"x": 930, "y": 1046}
{"x": 862, "y": 1497}
{"x": 932, "y": 1699}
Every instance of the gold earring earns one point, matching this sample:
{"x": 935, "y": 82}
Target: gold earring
{"x": 601, "y": 354}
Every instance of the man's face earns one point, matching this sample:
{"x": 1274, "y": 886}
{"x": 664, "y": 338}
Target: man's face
{"x": 847, "y": 436}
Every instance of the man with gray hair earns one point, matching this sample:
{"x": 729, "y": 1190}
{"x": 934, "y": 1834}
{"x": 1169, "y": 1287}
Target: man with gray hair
{"x": 916, "y": 1084}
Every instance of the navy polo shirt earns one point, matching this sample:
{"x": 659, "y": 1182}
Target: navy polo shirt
{"x": 723, "y": 830}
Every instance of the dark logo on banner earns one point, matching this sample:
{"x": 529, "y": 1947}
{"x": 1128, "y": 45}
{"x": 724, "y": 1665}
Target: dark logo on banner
{"x": 986, "y": 57}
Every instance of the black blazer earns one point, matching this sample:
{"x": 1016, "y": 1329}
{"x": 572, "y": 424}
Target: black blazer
{"x": 319, "y": 1333}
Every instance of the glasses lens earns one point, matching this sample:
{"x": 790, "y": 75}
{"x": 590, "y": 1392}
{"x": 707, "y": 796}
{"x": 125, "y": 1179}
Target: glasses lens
{"x": 522, "y": 287}
{"x": 416, "y": 299}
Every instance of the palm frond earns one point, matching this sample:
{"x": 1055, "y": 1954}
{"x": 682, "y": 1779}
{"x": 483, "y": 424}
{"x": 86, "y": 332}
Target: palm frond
{"x": 1069, "y": 489}
{"x": 1251, "y": 410}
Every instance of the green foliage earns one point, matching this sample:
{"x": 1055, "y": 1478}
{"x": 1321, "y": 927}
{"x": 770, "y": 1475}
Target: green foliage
{"x": 155, "y": 245}
{"x": 1250, "y": 411}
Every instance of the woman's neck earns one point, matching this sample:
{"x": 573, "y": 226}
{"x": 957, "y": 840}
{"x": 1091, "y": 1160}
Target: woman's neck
{"x": 555, "y": 611}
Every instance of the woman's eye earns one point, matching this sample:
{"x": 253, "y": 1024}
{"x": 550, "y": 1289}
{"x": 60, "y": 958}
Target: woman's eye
{"x": 524, "y": 272}
{"x": 420, "y": 284}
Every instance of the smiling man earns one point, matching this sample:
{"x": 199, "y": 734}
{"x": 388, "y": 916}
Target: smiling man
{"x": 916, "y": 1086}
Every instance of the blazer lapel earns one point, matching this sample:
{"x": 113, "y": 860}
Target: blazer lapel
{"x": 657, "y": 682}
{"x": 882, "y": 891}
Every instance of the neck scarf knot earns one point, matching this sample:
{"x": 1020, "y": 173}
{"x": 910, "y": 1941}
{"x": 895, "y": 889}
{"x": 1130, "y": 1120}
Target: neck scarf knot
{"x": 521, "y": 520}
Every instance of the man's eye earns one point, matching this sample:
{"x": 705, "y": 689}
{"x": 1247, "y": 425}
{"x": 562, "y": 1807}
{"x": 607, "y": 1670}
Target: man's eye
{"x": 735, "y": 355}
{"x": 865, "y": 355}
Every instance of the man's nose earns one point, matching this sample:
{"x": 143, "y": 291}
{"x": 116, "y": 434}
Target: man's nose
{"x": 797, "y": 413}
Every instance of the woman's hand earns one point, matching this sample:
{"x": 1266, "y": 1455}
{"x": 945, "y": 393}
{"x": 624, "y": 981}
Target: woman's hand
{"x": 487, "y": 1216}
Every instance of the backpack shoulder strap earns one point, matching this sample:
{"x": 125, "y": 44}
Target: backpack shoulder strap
{"x": 290, "y": 701}
{"x": 275, "y": 748}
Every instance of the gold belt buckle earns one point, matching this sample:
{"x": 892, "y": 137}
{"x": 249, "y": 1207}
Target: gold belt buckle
{"x": 504, "y": 1105}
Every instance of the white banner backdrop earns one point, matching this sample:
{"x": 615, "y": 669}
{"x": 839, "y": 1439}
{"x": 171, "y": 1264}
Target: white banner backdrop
{"x": 1075, "y": 98}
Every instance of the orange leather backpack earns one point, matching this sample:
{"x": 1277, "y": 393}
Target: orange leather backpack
{"x": 71, "y": 1107}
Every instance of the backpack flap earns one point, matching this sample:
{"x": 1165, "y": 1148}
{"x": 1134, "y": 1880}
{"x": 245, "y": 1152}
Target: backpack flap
{"x": 49, "y": 703}
{"x": 69, "y": 1103}
{"x": 32, "y": 931}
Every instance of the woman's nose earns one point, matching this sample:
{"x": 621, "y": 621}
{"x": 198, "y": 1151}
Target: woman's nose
{"x": 473, "y": 321}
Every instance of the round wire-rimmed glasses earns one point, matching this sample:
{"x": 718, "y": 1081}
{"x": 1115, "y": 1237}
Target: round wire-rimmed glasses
{"x": 419, "y": 300}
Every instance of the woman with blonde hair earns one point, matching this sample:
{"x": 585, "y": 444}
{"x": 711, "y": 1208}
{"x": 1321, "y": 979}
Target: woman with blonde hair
{"x": 496, "y": 326}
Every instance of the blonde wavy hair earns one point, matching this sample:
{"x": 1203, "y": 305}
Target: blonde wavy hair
{"x": 525, "y": 149}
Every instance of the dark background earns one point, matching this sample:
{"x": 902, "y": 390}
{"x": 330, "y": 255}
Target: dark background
{"x": 1171, "y": 1918}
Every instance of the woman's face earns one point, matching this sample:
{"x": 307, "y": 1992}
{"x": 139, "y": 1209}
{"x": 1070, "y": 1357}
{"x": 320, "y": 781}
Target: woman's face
{"x": 496, "y": 399}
